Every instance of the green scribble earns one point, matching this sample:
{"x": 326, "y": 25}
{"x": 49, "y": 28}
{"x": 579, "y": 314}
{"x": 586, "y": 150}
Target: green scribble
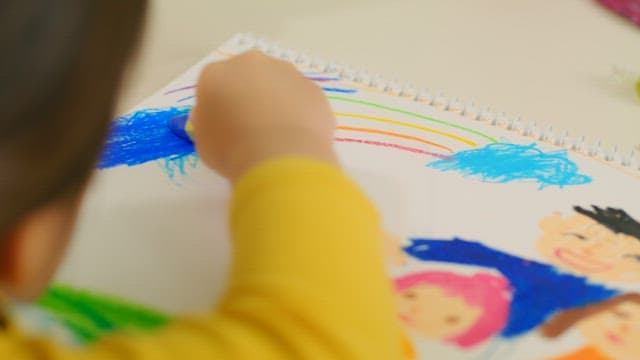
{"x": 90, "y": 316}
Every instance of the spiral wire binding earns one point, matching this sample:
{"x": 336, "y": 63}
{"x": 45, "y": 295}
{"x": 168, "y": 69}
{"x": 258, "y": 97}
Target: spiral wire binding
{"x": 467, "y": 109}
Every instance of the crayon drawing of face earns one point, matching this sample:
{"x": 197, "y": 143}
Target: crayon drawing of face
{"x": 615, "y": 332}
{"x": 580, "y": 245}
{"x": 434, "y": 314}
{"x": 463, "y": 310}
{"x": 611, "y": 328}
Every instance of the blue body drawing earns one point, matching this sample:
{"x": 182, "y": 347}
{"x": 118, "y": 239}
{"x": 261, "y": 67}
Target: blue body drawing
{"x": 504, "y": 162}
{"x": 539, "y": 290}
{"x": 144, "y": 136}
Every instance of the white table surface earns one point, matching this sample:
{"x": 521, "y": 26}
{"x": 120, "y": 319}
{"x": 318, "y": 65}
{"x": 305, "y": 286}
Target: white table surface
{"x": 549, "y": 61}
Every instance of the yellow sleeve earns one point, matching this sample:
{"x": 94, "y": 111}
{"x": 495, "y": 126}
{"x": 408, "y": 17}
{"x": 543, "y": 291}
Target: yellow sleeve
{"x": 307, "y": 280}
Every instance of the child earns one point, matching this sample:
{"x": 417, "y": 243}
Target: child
{"x": 294, "y": 288}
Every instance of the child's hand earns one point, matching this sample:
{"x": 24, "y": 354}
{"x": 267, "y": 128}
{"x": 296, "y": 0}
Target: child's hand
{"x": 252, "y": 108}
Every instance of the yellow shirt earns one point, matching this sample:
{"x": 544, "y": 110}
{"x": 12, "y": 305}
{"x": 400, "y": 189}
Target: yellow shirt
{"x": 307, "y": 281}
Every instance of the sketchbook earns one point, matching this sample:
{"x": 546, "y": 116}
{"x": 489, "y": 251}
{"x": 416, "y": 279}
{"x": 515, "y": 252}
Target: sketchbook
{"x": 505, "y": 240}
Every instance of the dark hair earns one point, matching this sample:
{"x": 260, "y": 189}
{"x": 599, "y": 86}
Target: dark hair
{"x": 616, "y": 220}
{"x": 564, "y": 320}
{"x": 60, "y": 69}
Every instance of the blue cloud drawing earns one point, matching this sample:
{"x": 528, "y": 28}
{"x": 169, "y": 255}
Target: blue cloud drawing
{"x": 504, "y": 162}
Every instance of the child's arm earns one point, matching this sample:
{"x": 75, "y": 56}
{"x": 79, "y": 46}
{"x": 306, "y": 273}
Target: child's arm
{"x": 307, "y": 280}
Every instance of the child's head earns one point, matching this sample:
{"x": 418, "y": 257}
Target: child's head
{"x": 60, "y": 67}
{"x": 464, "y": 310}
{"x": 601, "y": 244}
{"x": 612, "y": 326}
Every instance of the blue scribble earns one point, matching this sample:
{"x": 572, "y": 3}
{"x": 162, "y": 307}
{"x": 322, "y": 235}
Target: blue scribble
{"x": 538, "y": 290}
{"x": 186, "y": 98}
{"x": 322, "y": 78}
{"x": 179, "y": 165}
{"x": 504, "y": 162}
{"x": 144, "y": 136}
{"x": 339, "y": 90}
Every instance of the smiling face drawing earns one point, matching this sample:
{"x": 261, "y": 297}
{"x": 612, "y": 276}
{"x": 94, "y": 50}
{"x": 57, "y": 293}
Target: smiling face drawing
{"x": 615, "y": 331}
{"x": 611, "y": 328}
{"x": 580, "y": 245}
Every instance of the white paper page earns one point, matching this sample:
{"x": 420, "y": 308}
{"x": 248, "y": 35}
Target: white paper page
{"x": 156, "y": 231}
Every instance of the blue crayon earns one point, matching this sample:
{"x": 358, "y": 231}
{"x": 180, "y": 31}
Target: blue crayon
{"x": 181, "y": 127}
